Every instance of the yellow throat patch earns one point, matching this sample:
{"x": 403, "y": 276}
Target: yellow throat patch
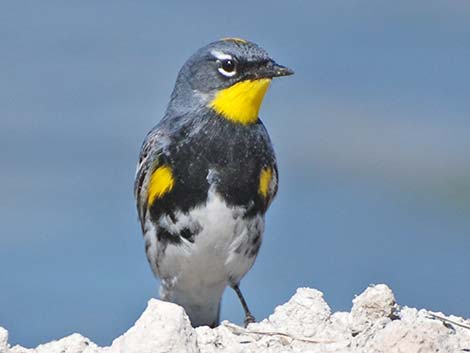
{"x": 161, "y": 182}
{"x": 264, "y": 181}
{"x": 241, "y": 102}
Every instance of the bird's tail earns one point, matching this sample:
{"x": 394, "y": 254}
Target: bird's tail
{"x": 203, "y": 309}
{"x": 202, "y": 315}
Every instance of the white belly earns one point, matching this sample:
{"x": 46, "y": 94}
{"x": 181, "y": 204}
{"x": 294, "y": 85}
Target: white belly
{"x": 195, "y": 274}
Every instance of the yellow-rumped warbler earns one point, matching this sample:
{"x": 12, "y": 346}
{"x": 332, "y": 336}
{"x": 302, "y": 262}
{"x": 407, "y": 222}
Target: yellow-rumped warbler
{"x": 206, "y": 176}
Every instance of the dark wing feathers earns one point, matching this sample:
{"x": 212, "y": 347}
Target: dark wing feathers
{"x": 155, "y": 144}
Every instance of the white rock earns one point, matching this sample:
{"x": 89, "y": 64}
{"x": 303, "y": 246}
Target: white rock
{"x": 71, "y": 344}
{"x": 163, "y": 327}
{"x": 3, "y": 340}
{"x": 305, "y": 324}
{"x": 416, "y": 332}
{"x": 376, "y": 305}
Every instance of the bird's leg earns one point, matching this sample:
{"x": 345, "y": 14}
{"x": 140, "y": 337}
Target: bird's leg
{"x": 249, "y": 318}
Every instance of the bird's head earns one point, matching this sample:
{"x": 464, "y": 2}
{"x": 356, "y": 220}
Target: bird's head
{"x": 229, "y": 76}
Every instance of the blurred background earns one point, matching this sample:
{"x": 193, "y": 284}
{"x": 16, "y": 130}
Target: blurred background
{"x": 372, "y": 136}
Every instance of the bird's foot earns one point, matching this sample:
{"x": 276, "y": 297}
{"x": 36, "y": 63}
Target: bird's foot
{"x": 249, "y": 319}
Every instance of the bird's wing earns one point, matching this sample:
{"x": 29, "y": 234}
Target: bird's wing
{"x": 154, "y": 147}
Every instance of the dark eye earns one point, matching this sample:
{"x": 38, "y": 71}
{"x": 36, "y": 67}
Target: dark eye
{"x": 227, "y": 67}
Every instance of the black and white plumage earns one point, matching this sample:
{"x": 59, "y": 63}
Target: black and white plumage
{"x": 206, "y": 176}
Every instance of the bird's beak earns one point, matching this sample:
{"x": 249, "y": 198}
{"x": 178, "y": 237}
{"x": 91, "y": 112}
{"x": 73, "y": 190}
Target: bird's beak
{"x": 273, "y": 69}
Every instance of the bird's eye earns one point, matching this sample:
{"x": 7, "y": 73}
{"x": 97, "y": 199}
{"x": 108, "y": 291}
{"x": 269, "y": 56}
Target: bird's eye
{"x": 227, "y": 67}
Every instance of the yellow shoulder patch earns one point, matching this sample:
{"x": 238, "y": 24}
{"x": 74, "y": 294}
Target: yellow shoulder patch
{"x": 161, "y": 182}
{"x": 235, "y": 39}
{"x": 264, "y": 181}
{"x": 241, "y": 102}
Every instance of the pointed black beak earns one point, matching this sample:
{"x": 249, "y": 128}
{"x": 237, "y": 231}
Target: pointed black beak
{"x": 271, "y": 69}
{"x": 279, "y": 70}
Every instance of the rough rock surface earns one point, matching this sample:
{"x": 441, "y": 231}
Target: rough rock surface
{"x": 304, "y": 324}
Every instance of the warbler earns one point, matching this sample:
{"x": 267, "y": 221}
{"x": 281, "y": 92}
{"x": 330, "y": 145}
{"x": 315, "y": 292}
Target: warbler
{"x": 206, "y": 176}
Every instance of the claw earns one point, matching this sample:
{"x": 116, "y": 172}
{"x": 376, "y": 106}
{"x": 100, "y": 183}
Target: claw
{"x": 249, "y": 319}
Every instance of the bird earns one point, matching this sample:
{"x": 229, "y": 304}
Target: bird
{"x": 206, "y": 175}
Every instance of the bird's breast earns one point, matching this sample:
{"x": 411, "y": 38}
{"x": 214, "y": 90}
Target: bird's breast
{"x": 237, "y": 162}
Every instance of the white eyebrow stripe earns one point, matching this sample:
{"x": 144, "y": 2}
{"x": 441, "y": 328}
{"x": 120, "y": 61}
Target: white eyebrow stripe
{"x": 221, "y": 56}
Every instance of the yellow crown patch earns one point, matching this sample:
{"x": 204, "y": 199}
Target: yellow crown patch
{"x": 235, "y": 39}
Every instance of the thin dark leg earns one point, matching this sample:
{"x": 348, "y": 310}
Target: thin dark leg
{"x": 249, "y": 318}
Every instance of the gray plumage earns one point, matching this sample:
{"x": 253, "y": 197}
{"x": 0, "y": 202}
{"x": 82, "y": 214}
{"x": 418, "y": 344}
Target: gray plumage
{"x": 205, "y": 231}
